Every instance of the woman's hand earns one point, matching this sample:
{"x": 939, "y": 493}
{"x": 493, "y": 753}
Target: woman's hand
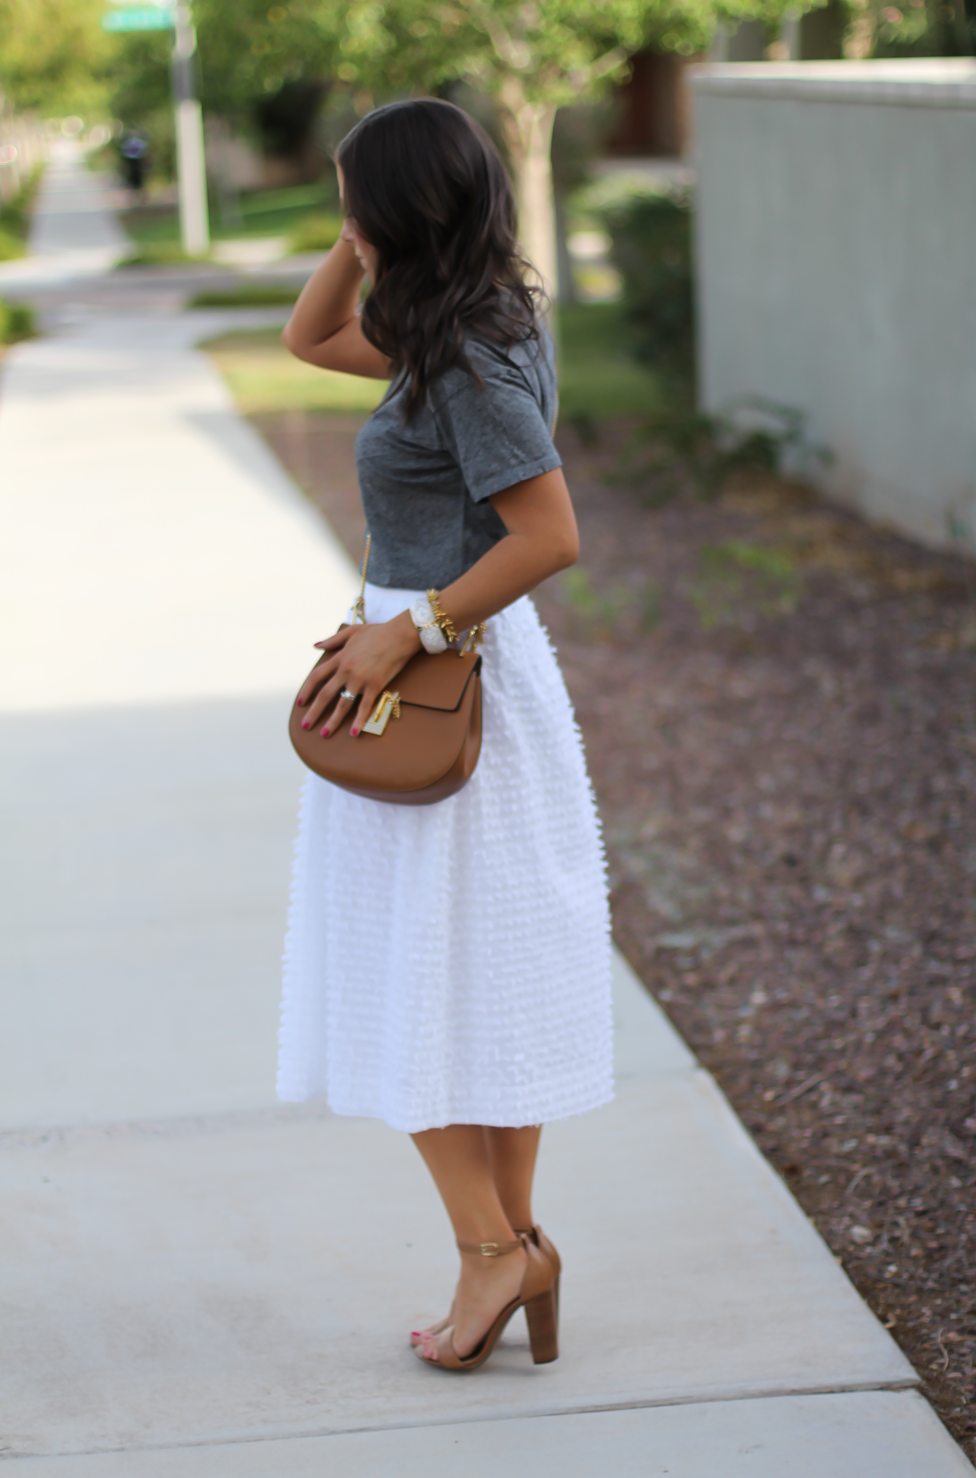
{"x": 363, "y": 660}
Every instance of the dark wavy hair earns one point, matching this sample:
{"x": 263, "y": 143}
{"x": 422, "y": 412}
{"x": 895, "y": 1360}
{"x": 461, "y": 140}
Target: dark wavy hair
{"x": 425, "y": 187}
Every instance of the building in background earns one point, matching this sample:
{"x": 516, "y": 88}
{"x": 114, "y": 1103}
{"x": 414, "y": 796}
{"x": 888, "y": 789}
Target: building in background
{"x": 836, "y": 271}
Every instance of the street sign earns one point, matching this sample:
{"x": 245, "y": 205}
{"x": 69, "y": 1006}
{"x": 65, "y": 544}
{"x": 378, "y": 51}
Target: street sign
{"x": 138, "y": 18}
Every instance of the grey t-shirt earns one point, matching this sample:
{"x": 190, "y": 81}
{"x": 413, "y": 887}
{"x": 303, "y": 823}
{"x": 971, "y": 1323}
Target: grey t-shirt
{"x": 425, "y": 483}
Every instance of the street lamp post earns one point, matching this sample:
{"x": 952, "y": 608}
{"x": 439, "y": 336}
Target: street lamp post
{"x": 190, "y": 167}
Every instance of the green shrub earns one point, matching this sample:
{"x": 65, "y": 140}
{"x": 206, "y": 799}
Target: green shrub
{"x": 652, "y": 250}
{"x": 316, "y": 233}
{"x": 595, "y": 610}
{"x": 738, "y": 583}
{"x": 248, "y": 295}
{"x": 10, "y": 246}
{"x": 597, "y": 614}
{"x": 677, "y": 448}
{"x": 16, "y": 322}
{"x": 15, "y": 218}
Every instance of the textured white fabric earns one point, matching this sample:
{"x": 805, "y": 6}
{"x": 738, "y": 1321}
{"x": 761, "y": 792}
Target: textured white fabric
{"x": 450, "y": 963}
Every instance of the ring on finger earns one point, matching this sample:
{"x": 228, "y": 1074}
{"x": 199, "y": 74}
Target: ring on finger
{"x": 349, "y": 697}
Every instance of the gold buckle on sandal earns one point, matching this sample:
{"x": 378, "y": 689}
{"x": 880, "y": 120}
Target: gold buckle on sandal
{"x": 386, "y": 708}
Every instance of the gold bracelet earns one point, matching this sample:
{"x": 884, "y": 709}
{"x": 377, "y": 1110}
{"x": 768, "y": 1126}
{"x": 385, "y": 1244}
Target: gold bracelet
{"x": 443, "y": 621}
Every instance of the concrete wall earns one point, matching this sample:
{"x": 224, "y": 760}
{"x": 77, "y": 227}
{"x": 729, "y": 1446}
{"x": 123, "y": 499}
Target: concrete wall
{"x": 836, "y": 264}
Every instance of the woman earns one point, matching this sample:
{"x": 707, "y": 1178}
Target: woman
{"x": 447, "y": 966}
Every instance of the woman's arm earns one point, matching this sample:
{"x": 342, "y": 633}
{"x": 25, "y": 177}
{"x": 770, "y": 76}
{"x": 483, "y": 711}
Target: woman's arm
{"x": 542, "y": 539}
{"x": 324, "y": 328}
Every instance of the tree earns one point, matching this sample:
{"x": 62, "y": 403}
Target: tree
{"x": 141, "y": 84}
{"x": 54, "y": 56}
{"x": 531, "y": 57}
{"x": 261, "y": 68}
{"x": 250, "y": 51}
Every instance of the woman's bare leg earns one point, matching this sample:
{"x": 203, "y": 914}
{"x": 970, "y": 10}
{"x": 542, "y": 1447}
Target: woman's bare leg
{"x": 512, "y": 1155}
{"x": 511, "y": 1158}
{"x": 457, "y": 1158}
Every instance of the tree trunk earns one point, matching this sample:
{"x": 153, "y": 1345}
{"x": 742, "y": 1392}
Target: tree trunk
{"x": 567, "y": 287}
{"x": 528, "y": 134}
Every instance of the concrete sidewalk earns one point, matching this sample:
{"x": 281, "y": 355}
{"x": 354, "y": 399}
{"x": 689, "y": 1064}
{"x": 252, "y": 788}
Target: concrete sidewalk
{"x": 196, "y": 1281}
{"x": 73, "y": 234}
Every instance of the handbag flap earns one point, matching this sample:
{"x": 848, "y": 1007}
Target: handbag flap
{"x": 436, "y": 681}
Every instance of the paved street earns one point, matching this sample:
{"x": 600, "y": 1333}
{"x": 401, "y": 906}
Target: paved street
{"x": 196, "y": 1281}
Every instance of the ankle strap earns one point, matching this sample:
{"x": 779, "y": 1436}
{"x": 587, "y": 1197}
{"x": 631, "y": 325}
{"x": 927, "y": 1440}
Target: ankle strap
{"x": 490, "y": 1249}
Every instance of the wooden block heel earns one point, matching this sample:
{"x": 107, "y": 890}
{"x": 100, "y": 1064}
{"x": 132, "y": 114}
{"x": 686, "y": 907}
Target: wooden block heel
{"x": 541, "y": 1317}
{"x": 537, "y": 1235}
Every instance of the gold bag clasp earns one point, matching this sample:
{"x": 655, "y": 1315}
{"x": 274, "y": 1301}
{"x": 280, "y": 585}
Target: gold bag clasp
{"x": 387, "y": 707}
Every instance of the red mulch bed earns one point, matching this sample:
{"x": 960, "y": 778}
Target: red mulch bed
{"x": 785, "y": 756}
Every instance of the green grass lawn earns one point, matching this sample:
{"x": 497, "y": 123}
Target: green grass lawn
{"x": 263, "y": 376}
{"x": 597, "y": 377}
{"x": 263, "y": 213}
{"x": 597, "y": 380}
{"x": 246, "y": 295}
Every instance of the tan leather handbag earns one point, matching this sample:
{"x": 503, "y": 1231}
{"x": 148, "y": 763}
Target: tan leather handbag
{"x": 421, "y": 742}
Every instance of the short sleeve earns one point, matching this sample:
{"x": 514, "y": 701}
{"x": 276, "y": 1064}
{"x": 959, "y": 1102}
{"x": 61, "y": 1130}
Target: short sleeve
{"x": 497, "y": 432}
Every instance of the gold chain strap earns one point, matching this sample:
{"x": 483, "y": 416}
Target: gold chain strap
{"x": 359, "y": 607}
{"x": 474, "y": 638}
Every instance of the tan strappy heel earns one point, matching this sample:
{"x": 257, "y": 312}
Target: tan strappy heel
{"x": 536, "y": 1297}
{"x": 535, "y": 1234}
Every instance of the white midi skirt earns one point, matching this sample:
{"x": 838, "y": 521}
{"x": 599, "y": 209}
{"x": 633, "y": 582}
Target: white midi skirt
{"x": 450, "y": 964}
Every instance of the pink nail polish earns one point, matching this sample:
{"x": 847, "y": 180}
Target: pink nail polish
{"x": 300, "y": 702}
{"x": 355, "y": 732}
{"x": 304, "y": 723}
{"x": 325, "y": 733}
